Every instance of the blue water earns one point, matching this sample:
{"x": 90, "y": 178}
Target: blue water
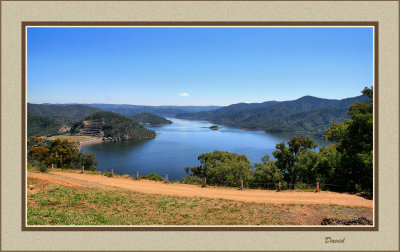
{"x": 179, "y": 144}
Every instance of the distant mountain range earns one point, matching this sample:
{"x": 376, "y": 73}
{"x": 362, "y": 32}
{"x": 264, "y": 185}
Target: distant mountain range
{"x": 130, "y": 110}
{"x": 306, "y": 114}
{"x": 149, "y": 118}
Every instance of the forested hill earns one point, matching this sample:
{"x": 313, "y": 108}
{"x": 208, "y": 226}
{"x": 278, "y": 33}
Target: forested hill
{"x": 46, "y": 120}
{"x": 113, "y": 126}
{"x": 308, "y": 114}
{"x": 227, "y": 112}
{"x": 66, "y": 114}
{"x": 130, "y": 110}
{"x": 40, "y": 125}
{"x": 149, "y": 118}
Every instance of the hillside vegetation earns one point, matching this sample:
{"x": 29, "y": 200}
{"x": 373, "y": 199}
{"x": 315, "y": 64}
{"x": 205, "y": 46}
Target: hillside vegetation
{"x": 40, "y": 125}
{"x": 48, "y": 120}
{"x": 66, "y": 114}
{"x": 149, "y": 118}
{"x": 111, "y": 125}
{"x": 307, "y": 114}
{"x": 129, "y": 110}
{"x": 64, "y": 154}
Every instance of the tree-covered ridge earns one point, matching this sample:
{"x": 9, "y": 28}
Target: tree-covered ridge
{"x": 40, "y": 125}
{"x": 307, "y": 114}
{"x": 129, "y": 110}
{"x": 149, "y": 118}
{"x": 111, "y": 125}
{"x": 47, "y": 120}
{"x": 227, "y": 112}
{"x": 66, "y": 114}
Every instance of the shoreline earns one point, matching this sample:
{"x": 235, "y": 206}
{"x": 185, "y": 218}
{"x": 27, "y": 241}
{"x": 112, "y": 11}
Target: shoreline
{"x": 93, "y": 141}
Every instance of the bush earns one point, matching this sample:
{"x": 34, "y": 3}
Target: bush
{"x": 153, "y": 176}
{"x": 301, "y": 186}
{"x": 42, "y": 168}
{"x": 192, "y": 180}
{"x": 34, "y": 165}
{"x": 108, "y": 174}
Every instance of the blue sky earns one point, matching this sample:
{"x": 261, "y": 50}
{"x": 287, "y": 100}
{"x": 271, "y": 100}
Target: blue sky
{"x": 196, "y": 65}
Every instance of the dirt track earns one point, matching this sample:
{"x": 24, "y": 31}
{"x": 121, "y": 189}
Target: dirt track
{"x": 248, "y": 195}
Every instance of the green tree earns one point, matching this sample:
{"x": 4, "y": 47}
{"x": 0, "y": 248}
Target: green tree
{"x": 39, "y": 154}
{"x": 327, "y": 164}
{"x": 305, "y": 166}
{"x": 265, "y": 173}
{"x": 354, "y": 143}
{"x": 63, "y": 153}
{"x": 222, "y": 168}
{"x": 286, "y": 157}
{"x": 87, "y": 160}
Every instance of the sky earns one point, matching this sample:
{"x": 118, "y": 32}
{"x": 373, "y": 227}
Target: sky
{"x": 196, "y": 65}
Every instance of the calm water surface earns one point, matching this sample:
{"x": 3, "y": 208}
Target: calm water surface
{"x": 179, "y": 144}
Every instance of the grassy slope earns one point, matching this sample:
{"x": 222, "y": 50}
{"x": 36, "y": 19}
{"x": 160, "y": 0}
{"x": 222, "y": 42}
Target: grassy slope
{"x": 52, "y": 204}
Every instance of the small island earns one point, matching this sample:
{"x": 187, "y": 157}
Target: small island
{"x": 149, "y": 118}
{"x": 214, "y": 127}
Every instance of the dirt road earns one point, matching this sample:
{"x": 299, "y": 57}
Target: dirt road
{"x": 247, "y": 195}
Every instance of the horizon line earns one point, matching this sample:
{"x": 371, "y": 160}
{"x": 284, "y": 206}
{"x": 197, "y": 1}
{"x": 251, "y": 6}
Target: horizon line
{"x": 77, "y": 103}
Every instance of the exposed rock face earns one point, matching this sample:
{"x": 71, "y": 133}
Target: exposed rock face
{"x": 64, "y": 129}
{"x": 92, "y": 127}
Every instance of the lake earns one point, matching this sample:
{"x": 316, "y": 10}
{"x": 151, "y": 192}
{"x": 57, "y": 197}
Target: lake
{"x": 178, "y": 145}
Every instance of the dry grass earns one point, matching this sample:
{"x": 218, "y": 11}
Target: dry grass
{"x": 52, "y": 204}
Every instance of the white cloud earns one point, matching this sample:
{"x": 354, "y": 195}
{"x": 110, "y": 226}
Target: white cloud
{"x": 184, "y": 94}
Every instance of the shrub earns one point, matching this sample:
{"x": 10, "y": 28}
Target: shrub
{"x": 153, "y": 176}
{"x": 108, "y": 174}
{"x": 301, "y": 186}
{"x": 42, "y": 168}
{"x": 192, "y": 180}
